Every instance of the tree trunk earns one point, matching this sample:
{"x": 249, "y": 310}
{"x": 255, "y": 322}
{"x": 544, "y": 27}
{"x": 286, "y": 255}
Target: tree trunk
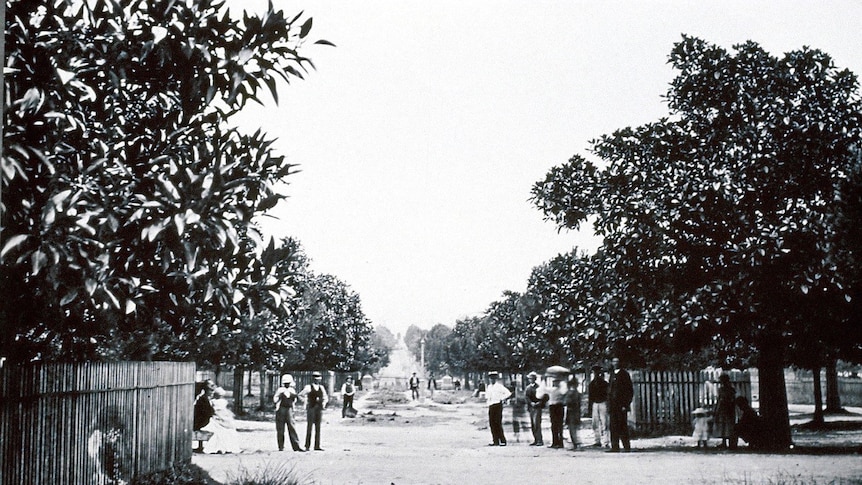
{"x": 833, "y": 399}
{"x": 263, "y": 388}
{"x": 238, "y": 374}
{"x": 818, "y": 397}
{"x": 250, "y": 371}
{"x": 773, "y": 394}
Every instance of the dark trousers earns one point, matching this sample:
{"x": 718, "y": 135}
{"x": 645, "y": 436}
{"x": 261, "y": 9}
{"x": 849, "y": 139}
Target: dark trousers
{"x": 536, "y": 425}
{"x": 314, "y": 414}
{"x": 284, "y": 416}
{"x": 495, "y": 419}
{"x": 414, "y": 392}
{"x": 619, "y": 428}
{"x": 348, "y": 403}
{"x": 557, "y": 413}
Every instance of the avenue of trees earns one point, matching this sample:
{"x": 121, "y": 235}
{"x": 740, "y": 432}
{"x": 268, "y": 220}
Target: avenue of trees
{"x": 129, "y": 200}
{"x": 730, "y": 229}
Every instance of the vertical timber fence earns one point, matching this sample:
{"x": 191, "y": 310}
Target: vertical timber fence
{"x": 94, "y": 423}
{"x": 663, "y": 400}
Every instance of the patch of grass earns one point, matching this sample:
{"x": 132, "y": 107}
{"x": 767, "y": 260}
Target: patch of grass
{"x": 449, "y": 397}
{"x": 180, "y": 474}
{"x": 271, "y": 474}
{"x": 389, "y": 396}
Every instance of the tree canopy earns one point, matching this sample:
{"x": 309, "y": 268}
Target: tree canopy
{"x": 720, "y": 220}
{"x": 127, "y": 198}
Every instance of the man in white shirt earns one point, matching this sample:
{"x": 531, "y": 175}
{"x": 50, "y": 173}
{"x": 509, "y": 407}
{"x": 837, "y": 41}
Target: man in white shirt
{"x": 284, "y": 399}
{"x": 496, "y": 393}
{"x": 347, "y": 392}
{"x": 315, "y": 398}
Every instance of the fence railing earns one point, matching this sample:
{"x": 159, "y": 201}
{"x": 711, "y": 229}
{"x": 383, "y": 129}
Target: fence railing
{"x": 663, "y": 401}
{"x": 94, "y": 423}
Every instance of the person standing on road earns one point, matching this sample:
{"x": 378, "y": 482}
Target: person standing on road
{"x": 725, "y": 411}
{"x": 537, "y": 398}
{"x": 573, "y": 411}
{"x": 496, "y": 393}
{"x": 347, "y": 392}
{"x": 432, "y": 384}
{"x": 414, "y": 387}
{"x": 620, "y": 394}
{"x": 598, "y": 404}
{"x": 557, "y": 411}
{"x": 285, "y": 397}
{"x": 315, "y": 398}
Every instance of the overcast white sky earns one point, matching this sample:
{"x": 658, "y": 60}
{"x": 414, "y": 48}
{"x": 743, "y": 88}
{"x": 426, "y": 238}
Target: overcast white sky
{"x": 421, "y": 134}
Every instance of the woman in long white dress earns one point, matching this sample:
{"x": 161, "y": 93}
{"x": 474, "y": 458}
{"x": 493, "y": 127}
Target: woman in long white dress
{"x": 225, "y": 438}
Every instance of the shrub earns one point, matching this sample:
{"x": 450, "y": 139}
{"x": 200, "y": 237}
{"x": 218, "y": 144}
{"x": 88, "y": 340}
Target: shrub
{"x": 179, "y": 474}
{"x": 271, "y": 474}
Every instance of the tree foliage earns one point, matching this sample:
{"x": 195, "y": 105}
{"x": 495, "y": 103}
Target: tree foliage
{"x": 127, "y": 198}
{"x": 721, "y": 219}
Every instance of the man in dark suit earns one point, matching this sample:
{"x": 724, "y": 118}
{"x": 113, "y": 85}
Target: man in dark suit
{"x": 620, "y": 394}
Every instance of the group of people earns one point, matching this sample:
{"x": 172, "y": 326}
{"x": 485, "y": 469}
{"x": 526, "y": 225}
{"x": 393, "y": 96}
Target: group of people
{"x": 725, "y": 426}
{"x": 213, "y": 418}
{"x": 609, "y": 404}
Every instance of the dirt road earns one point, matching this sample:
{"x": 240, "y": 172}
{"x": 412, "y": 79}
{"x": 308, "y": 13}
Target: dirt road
{"x": 429, "y": 443}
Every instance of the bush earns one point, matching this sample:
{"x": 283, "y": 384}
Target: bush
{"x": 389, "y": 396}
{"x": 180, "y": 474}
{"x": 279, "y": 474}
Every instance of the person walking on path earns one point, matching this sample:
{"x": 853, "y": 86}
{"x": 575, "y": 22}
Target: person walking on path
{"x": 432, "y": 385}
{"x": 620, "y": 394}
{"x": 285, "y": 397}
{"x": 315, "y": 398}
{"x": 725, "y": 411}
{"x": 347, "y": 392}
{"x": 496, "y": 393}
{"x": 414, "y": 387}
{"x": 537, "y": 398}
{"x": 557, "y": 411}
{"x": 598, "y": 407}
{"x": 573, "y": 411}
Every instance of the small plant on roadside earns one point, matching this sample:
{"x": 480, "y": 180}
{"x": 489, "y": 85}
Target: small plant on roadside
{"x": 180, "y": 474}
{"x": 270, "y": 474}
{"x": 389, "y": 396}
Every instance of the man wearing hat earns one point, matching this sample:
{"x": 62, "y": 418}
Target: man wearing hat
{"x": 620, "y": 394}
{"x": 598, "y": 404}
{"x": 315, "y": 398}
{"x": 496, "y": 393}
{"x": 284, "y": 398}
{"x": 537, "y": 398}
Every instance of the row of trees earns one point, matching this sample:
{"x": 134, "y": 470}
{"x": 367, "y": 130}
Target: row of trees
{"x": 129, "y": 200}
{"x": 730, "y": 229}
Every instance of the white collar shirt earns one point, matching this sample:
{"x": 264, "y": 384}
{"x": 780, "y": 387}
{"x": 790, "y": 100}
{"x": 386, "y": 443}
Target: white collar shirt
{"x": 497, "y": 393}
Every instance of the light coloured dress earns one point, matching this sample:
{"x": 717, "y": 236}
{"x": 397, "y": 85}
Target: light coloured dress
{"x": 225, "y": 438}
{"x": 701, "y": 427}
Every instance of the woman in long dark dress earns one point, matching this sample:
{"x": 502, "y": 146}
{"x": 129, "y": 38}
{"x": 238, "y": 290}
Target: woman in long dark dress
{"x": 725, "y": 411}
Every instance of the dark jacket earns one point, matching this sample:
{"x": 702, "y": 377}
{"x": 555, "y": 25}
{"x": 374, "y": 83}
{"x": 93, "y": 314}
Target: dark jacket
{"x": 621, "y": 391}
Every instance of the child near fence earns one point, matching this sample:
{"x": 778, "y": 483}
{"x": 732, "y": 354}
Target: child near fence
{"x": 700, "y": 420}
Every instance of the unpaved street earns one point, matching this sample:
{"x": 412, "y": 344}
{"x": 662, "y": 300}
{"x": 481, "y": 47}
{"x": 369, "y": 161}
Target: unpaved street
{"x": 429, "y": 443}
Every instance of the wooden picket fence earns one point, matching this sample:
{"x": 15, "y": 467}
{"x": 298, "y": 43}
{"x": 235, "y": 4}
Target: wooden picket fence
{"x": 663, "y": 400}
{"x": 94, "y": 423}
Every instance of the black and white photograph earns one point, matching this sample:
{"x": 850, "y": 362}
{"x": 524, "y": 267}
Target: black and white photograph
{"x": 253, "y": 242}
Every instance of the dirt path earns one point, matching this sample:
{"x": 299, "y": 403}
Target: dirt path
{"x": 431, "y": 443}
